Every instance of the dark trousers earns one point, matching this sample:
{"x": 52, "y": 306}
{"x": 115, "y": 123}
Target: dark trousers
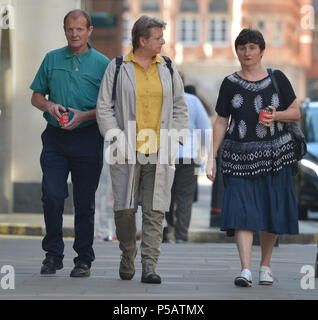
{"x": 79, "y": 152}
{"x": 182, "y": 193}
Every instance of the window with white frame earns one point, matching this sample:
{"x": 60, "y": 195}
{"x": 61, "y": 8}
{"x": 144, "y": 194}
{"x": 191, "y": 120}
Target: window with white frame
{"x": 262, "y": 27}
{"x": 189, "y": 31}
{"x": 218, "y": 6}
{"x": 277, "y": 34}
{"x": 189, "y": 6}
{"x": 218, "y": 25}
{"x": 126, "y": 5}
{"x": 150, "y": 5}
{"x": 218, "y": 31}
{"x": 126, "y": 31}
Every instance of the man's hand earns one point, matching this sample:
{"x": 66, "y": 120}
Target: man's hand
{"x": 54, "y": 110}
{"x": 78, "y": 118}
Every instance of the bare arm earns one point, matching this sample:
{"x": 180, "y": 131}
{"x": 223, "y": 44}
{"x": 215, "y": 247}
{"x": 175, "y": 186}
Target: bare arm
{"x": 292, "y": 113}
{"x": 219, "y": 129}
{"x": 39, "y": 101}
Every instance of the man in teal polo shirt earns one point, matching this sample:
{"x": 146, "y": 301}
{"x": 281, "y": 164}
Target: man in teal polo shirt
{"x": 68, "y": 81}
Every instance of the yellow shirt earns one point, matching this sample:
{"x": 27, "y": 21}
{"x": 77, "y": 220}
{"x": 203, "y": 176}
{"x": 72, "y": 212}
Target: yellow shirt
{"x": 148, "y": 105}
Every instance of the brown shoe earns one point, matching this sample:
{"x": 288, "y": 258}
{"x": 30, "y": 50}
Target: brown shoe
{"x": 151, "y": 278}
{"x": 126, "y": 268}
{"x": 149, "y": 274}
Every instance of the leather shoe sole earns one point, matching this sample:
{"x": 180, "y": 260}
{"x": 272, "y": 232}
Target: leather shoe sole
{"x": 151, "y": 278}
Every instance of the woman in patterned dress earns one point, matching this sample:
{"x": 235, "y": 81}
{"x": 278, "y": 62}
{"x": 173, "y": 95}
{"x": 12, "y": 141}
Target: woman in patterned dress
{"x": 257, "y": 156}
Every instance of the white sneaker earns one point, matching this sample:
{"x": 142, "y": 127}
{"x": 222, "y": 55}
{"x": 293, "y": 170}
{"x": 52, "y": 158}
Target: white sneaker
{"x": 245, "y": 279}
{"x": 265, "y": 276}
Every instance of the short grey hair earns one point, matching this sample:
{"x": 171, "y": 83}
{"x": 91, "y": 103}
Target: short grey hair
{"x": 142, "y": 28}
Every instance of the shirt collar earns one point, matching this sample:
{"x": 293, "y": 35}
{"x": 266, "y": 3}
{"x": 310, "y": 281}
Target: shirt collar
{"x": 131, "y": 58}
{"x": 80, "y": 57}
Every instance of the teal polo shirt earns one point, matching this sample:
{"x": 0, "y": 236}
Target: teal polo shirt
{"x": 71, "y": 80}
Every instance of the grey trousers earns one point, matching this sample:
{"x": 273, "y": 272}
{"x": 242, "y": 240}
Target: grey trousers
{"x": 182, "y": 194}
{"x": 152, "y": 222}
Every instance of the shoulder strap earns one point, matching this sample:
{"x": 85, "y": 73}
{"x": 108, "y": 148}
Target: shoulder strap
{"x": 168, "y": 62}
{"x": 119, "y": 61}
{"x": 274, "y": 82}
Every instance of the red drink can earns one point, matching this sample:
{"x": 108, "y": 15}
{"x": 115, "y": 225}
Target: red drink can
{"x": 261, "y": 116}
{"x": 64, "y": 119}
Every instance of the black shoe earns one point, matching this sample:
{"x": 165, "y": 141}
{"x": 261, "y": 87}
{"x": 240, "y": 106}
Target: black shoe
{"x": 81, "y": 270}
{"x": 51, "y": 264}
{"x": 151, "y": 278}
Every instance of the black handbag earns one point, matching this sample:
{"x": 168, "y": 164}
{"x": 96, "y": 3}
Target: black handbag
{"x": 297, "y": 135}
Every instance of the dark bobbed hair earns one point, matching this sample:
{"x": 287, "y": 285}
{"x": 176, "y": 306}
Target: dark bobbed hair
{"x": 250, "y": 36}
{"x": 77, "y": 13}
{"x": 142, "y": 28}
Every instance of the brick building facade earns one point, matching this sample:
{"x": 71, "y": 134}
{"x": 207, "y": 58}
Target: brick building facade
{"x": 199, "y": 38}
{"x": 200, "y": 35}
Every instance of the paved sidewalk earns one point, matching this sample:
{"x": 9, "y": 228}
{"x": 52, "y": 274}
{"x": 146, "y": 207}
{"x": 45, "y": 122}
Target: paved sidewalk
{"x": 200, "y": 231}
{"x": 190, "y": 271}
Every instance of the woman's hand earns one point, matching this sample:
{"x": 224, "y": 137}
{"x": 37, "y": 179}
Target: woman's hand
{"x": 270, "y": 118}
{"x": 211, "y": 169}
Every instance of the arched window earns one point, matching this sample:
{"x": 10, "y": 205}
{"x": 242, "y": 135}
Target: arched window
{"x": 150, "y": 5}
{"x": 189, "y": 6}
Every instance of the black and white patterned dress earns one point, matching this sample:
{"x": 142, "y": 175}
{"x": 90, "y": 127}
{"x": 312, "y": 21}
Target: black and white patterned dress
{"x": 251, "y": 149}
{"x": 256, "y": 160}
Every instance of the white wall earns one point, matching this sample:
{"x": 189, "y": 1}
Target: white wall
{"x": 38, "y": 29}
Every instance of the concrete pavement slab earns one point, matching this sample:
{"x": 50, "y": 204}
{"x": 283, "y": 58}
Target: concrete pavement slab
{"x": 191, "y": 271}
